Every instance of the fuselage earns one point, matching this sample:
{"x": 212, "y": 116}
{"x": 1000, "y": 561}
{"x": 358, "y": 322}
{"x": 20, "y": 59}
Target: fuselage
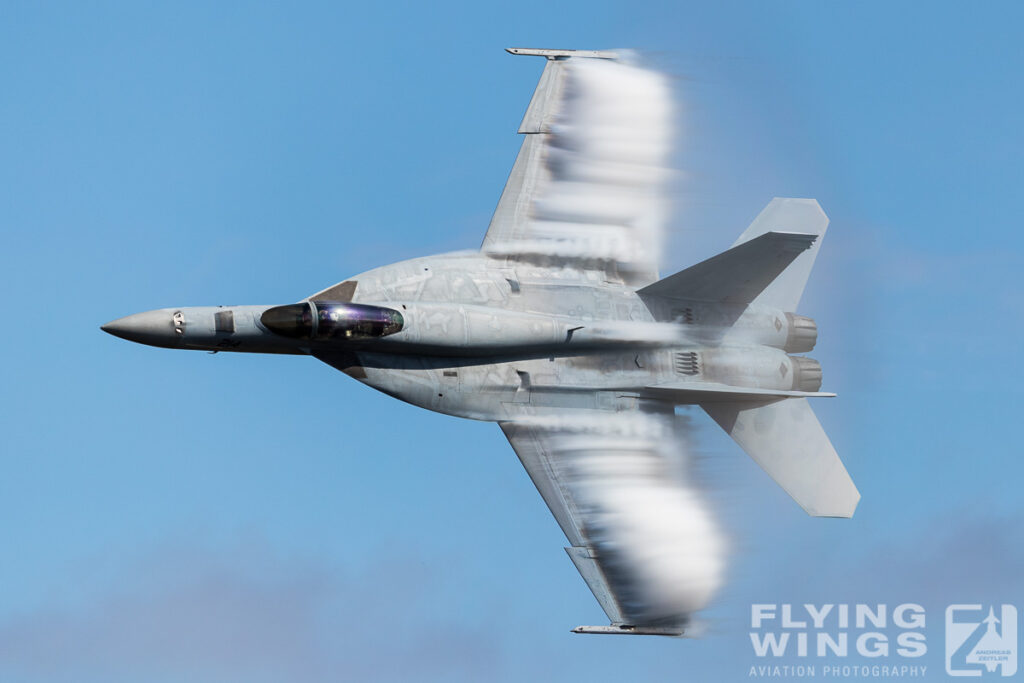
{"x": 481, "y": 337}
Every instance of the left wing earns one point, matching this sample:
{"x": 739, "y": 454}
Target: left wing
{"x": 638, "y": 533}
{"x": 587, "y": 188}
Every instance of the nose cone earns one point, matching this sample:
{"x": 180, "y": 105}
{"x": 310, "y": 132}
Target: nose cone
{"x": 156, "y": 328}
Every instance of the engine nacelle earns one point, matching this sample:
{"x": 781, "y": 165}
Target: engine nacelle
{"x": 789, "y": 332}
{"x": 806, "y": 373}
{"x": 801, "y": 334}
{"x": 760, "y": 367}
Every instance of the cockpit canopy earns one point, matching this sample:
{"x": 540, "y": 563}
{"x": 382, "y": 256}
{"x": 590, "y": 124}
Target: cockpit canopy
{"x": 327, "y": 320}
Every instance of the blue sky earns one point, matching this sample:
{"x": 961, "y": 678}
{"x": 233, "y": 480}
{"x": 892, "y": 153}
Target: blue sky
{"x": 183, "y": 516}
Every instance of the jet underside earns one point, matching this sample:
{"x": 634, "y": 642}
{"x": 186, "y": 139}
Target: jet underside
{"x": 561, "y": 330}
{"x": 619, "y": 372}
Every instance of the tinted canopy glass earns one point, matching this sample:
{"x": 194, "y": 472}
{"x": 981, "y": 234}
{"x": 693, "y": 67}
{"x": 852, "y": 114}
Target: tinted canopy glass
{"x": 355, "y": 321}
{"x": 324, "y": 320}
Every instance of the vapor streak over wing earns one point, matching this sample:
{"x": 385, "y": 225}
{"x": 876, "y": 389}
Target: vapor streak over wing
{"x": 588, "y": 185}
{"x": 641, "y": 536}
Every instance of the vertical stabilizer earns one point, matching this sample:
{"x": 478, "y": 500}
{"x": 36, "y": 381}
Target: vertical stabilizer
{"x": 792, "y": 216}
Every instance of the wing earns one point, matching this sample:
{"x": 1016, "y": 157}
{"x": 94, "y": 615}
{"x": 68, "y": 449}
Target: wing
{"x": 587, "y": 188}
{"x": 640, "y": 536}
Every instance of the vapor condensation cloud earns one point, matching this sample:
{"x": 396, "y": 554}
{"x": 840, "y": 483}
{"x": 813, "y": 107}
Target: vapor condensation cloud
{"x": 654, "y": 533}
{"x": 601, "y": 193}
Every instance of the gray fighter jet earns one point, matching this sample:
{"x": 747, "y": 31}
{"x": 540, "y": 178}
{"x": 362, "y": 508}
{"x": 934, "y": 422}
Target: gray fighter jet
{"x": 560, "y": 329}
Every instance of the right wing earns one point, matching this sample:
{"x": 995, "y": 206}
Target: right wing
{"x": 587, "y": 187}
{"x": 641, "y": 538}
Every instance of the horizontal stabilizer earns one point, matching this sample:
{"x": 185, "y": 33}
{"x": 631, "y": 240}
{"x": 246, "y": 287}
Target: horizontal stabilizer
{"x": 788, "y": 442}
{"x": 735, "y": 276}
{"x": 706, "y": 392}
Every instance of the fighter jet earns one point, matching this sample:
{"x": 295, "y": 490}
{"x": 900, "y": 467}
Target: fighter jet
{"x": 560, "y": 329}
